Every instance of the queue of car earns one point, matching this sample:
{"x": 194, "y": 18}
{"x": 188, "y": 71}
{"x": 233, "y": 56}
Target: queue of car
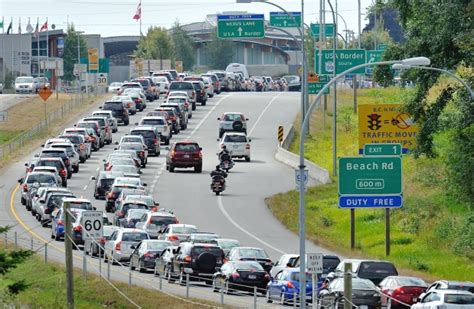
{"x": 152, "y": 239}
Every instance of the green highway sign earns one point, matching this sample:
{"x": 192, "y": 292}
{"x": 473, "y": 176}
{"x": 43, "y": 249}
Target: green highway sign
{"x": 382, "y": 46}
{"x": 374, "y": 55}
{"x": 345, "y": 59}
{"x": 370, "y": 176}
{"x": 240, "y": 26}
{"x": 285, "y": 20}
{"x": 386, "y": 149}
{"x": 328, "y": 30}
{"x": 315, "y": 87}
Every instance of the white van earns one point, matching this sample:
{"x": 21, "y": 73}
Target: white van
{"x": 238, "y": 68}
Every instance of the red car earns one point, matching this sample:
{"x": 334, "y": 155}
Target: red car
{"x": 404, "y": 289}
{"x": 184, "y": 154}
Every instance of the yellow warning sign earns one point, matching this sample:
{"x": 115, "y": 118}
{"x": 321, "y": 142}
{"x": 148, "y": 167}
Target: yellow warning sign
{"x": 280, "y": 134}
{"x": 386, "y": 123}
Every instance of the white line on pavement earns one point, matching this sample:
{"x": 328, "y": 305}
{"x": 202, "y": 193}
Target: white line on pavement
{"x": 263, "y": 112}
{"x": 208, "y": 114}
{"x": 226, "y": 214}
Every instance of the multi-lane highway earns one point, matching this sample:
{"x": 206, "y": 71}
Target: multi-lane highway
{"x": 239, "y": 213}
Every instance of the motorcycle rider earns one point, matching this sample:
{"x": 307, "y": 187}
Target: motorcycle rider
{"x": 218, "y": 172}
{"x": 224, "y": 151}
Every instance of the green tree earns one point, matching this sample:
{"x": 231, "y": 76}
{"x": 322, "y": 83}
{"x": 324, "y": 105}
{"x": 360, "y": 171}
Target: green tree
{"x": 183, "y": 46}
{"x": 70, "y": 51}
{"x": 156, "y": 44}
{"x": 442, "y": 31}
{"x": 219, "y": 51}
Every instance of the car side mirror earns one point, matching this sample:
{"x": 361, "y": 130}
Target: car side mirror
{"x": 246, "y": 119}
{"x": 218, "y": 269}
{"x": 103, "y": 160}
{"x": 42, "y": 145}
{"x": 116, "y": 143}
{"x": 94, "y": 208}
{"x": 100, "y": 107}
{"x": 219, "y": 118}
{"x": 36, "y": 155}
{"x": 250, "y": 140}
{"x": 133, "y": 247}
{"x": 200, "y": 148}
{"x": 289, "y": 264}
{"x": 93, "y": 178}
{"x": 136, "y": 123}
{"x": 115, "y": 148}
{"x": 144, "y": 184}
{"x": 26, "y": 164}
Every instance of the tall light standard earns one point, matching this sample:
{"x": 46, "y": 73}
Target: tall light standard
{"x": 401, "y": 66}
{"x": 304, "y": 115}
{"x": 78, "y": 33}
{"x": 316, "y": 102}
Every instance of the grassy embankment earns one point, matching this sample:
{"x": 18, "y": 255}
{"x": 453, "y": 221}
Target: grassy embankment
{"x": 431, "y": 236}
{"x": 47, "y": 289}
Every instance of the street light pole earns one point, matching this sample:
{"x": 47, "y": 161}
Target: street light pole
{"x": 334, "y": 101}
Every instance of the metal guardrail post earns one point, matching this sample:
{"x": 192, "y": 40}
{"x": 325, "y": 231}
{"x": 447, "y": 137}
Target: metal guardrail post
{"x": 16, "y": 240}
{"x": 187, "y": 285}
{"x": 255, "y": 297}
{"x": 108, "y": 269}
{"x": 221, "y": 291}
{"x": 100, "y": 261}
{"x": 31, "y": 244}
{"x": 46, "y": 253}
{"x": 161, "y": 282}
{"x": 130, "y": 275}
{"x": 84, "y": 264}
{"x": 294, "y": 299}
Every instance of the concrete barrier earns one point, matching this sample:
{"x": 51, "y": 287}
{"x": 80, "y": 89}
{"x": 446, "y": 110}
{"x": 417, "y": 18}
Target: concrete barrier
{"x": 316, "y": 172}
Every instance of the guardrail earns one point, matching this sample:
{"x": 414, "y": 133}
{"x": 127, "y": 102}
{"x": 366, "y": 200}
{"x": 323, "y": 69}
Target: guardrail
{"x": 18, "y": 142}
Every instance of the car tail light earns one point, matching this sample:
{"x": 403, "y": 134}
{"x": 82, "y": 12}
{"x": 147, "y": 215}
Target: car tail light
{"x": 142, "y": 153}
{"x": 111, "y": 196}
{"x": 173, "y": 238}
{"x": 290, "y": 285}
{"x": 120, "y": 214}
{"x": 202, "y": 91}
{"x": 235, "y": 275}
{"x": 186, "y": 105}
{"x": 267, "y": 276}
{"x": 107, "y": 129}
{"x": 118, "y": 246}
{"x": 25, "y": 188}
{"x": 188, "y": 259}
{"x": 77, "y": 228}
{"x": 173, "y": 153}
{"x": 60, "y": 222}
{"x": 63, "y": 172}
{"x": 200, "y": 154}
{"x": 247, "y": 146}
{"x": 155, "y": 141}
{"x": 148, "y": 254}
{"x": 102, "y": 241}
{"x": 174, "y": 117}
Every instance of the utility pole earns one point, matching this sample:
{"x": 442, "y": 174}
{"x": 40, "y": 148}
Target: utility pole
{"x": 348, "y": 286}
{"x": 68, "y": 251}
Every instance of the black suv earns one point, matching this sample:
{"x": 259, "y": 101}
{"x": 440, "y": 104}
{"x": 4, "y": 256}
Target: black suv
{"x": 197, "y": 260}
{"x": 201, "y": 94}
{"x": 103, "y": 183}
{"x": 151, "y": 136}
{"x": 118, "y": 110}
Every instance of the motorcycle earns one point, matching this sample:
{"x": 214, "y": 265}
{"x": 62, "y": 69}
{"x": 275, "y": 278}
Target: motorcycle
{"x": 226, "y": 162}
{"x": 218, "y": 184}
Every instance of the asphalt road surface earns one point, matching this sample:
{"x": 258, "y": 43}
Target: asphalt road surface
{"x": 239, "y": 213}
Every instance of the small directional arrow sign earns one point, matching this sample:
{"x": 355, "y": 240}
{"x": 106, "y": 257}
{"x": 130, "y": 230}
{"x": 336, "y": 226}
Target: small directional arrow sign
{"x": 240, "y": 31}
{"x": 285, "y": 19}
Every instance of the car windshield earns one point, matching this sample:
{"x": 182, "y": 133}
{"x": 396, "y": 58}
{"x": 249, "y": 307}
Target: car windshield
{"x": 87, "y": 125}
{"x": 253, "y": 253}
{"x": 57, "y": 199}
{"x": 233, "y": 117}
{"x": 136, "y": 213}
{"x": 106, "y": 182}
{"x": 41, "y": 178}
{"x": 406, "y": 281}
{"x": 127, "y": 146}
{"x": 24, "y": 80}
{"x": 129, "y": 139}
{"x": 131, "y": 85}
{"x": 121, "y": 161}
{"x": 124, "y": 169}
{"x": 176, "y": 100}
{"x": 101, "y": 121}
{"x": 291, "y": 78}
{"x": 116, "y": 84}
{"x": 108, "y": 230}
{"x": 248, "y": 266}
{"x": 153, "y": 122}
{"x": 129, "y": 206}
{"x": 296, "y": 276}
{"x": 134, "y": 236}
{"x": 128, "y": 181}
{"x": 143, "y": 82}
{"x": 144, "y": 133}
{"x": 55, "y": 163}
{"x": 113, "y": 105}
{"x": 162, "y": 221}
{"x": 75, "y": 139}
{"x": 228, "y": 244}
{"x": 376, "y": 269}
{"x": 187, "y": 147}
{"x": 358, "y": 284}
{"x": 461, "y": 287}
{"x": 235, "y": 139}
{"x": 181, "y": 86}
{"x": 460, "y": 299}
{"x": 81, "y": 205}
{"x": 184, "y": 229}
{"x": 157, "y": 245}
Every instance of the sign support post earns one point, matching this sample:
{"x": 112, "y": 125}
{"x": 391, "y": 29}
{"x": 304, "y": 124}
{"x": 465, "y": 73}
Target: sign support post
{"x": 387, "y": 231}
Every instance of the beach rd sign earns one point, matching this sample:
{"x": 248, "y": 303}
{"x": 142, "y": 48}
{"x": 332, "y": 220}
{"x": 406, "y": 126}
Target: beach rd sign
{"x": 240, "y": 26}
{"x": 285, "y": 20}
{"x": 345, "y": 59}
{"x": 370, "y": 176}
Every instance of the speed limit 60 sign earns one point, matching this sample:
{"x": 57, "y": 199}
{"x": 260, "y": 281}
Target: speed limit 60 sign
{"x": 92, "y": 224}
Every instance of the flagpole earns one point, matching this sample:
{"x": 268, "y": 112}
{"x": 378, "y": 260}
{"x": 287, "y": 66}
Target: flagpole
{"x": 141, "y": 33}
{"x": 11, "y": 42}
{"x": 38, "y": 44}
{"x": 18, "y": 65}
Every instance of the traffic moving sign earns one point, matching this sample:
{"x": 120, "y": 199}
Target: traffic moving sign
{"x": 345, "y": 59}
{"x": 370, "y": 176}
{"x": 386, "y": 123}
{"x": 240, "y": 26}
{"x": 285, "y": 19}
{"x": 92, "y": 224}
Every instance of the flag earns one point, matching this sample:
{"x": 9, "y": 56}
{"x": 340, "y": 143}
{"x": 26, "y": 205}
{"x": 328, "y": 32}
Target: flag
{"x": 138, "y": 13}
{"x": 36, "y": 29}
{"x": 19, "y": 25}
{"x": 44, "y": 26}
{"x": 10, "y": 26}
{"x": 29, "y": 27}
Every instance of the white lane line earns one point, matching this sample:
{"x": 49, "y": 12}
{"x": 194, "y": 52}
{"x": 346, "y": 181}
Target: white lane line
{"x": 226, "y": 214}
{"x": 263, "y": 112}
{"x": 208, "y": 114}
{"x": 97, "y": 169}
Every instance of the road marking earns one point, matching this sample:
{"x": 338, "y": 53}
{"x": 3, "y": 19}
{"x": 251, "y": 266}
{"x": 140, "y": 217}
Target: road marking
{"x": 226, "y": 214}
{"x": 263, "y": 112}
{"x": 208, "y": 114}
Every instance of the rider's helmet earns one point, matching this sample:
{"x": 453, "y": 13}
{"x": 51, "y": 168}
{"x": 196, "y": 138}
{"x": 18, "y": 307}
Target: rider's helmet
{"x": 218, "y": 167}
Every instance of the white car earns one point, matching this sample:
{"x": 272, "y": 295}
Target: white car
{"x": 132, "y": 139}
{"x": 446, "y": 299}
{"x": 160, "y": 124}
{"x": 177, "y": 233}
{"x": 114, "y": 87}
{"x": 113, "y": 123}
{"x": 208, "y": 86}
{"x": 25, "y": 84}
{"x": 237, "y": 143}
{"x": 118, "y": 248}
{"x": 183, "y": 100}
{"x": 134, "y": 181}
{"x": 162, "y": 83}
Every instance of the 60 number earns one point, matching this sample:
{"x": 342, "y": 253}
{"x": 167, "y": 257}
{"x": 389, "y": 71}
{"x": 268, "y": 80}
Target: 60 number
{"x": 89, "y": 224}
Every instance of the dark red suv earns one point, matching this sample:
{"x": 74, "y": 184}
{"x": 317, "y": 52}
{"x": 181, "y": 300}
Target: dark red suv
{"x": 184, "y": 154}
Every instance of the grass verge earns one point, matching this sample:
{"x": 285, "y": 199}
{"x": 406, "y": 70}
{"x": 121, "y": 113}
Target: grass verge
{"x": 432, "y": 236}
{"x": 47, "y": 289}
